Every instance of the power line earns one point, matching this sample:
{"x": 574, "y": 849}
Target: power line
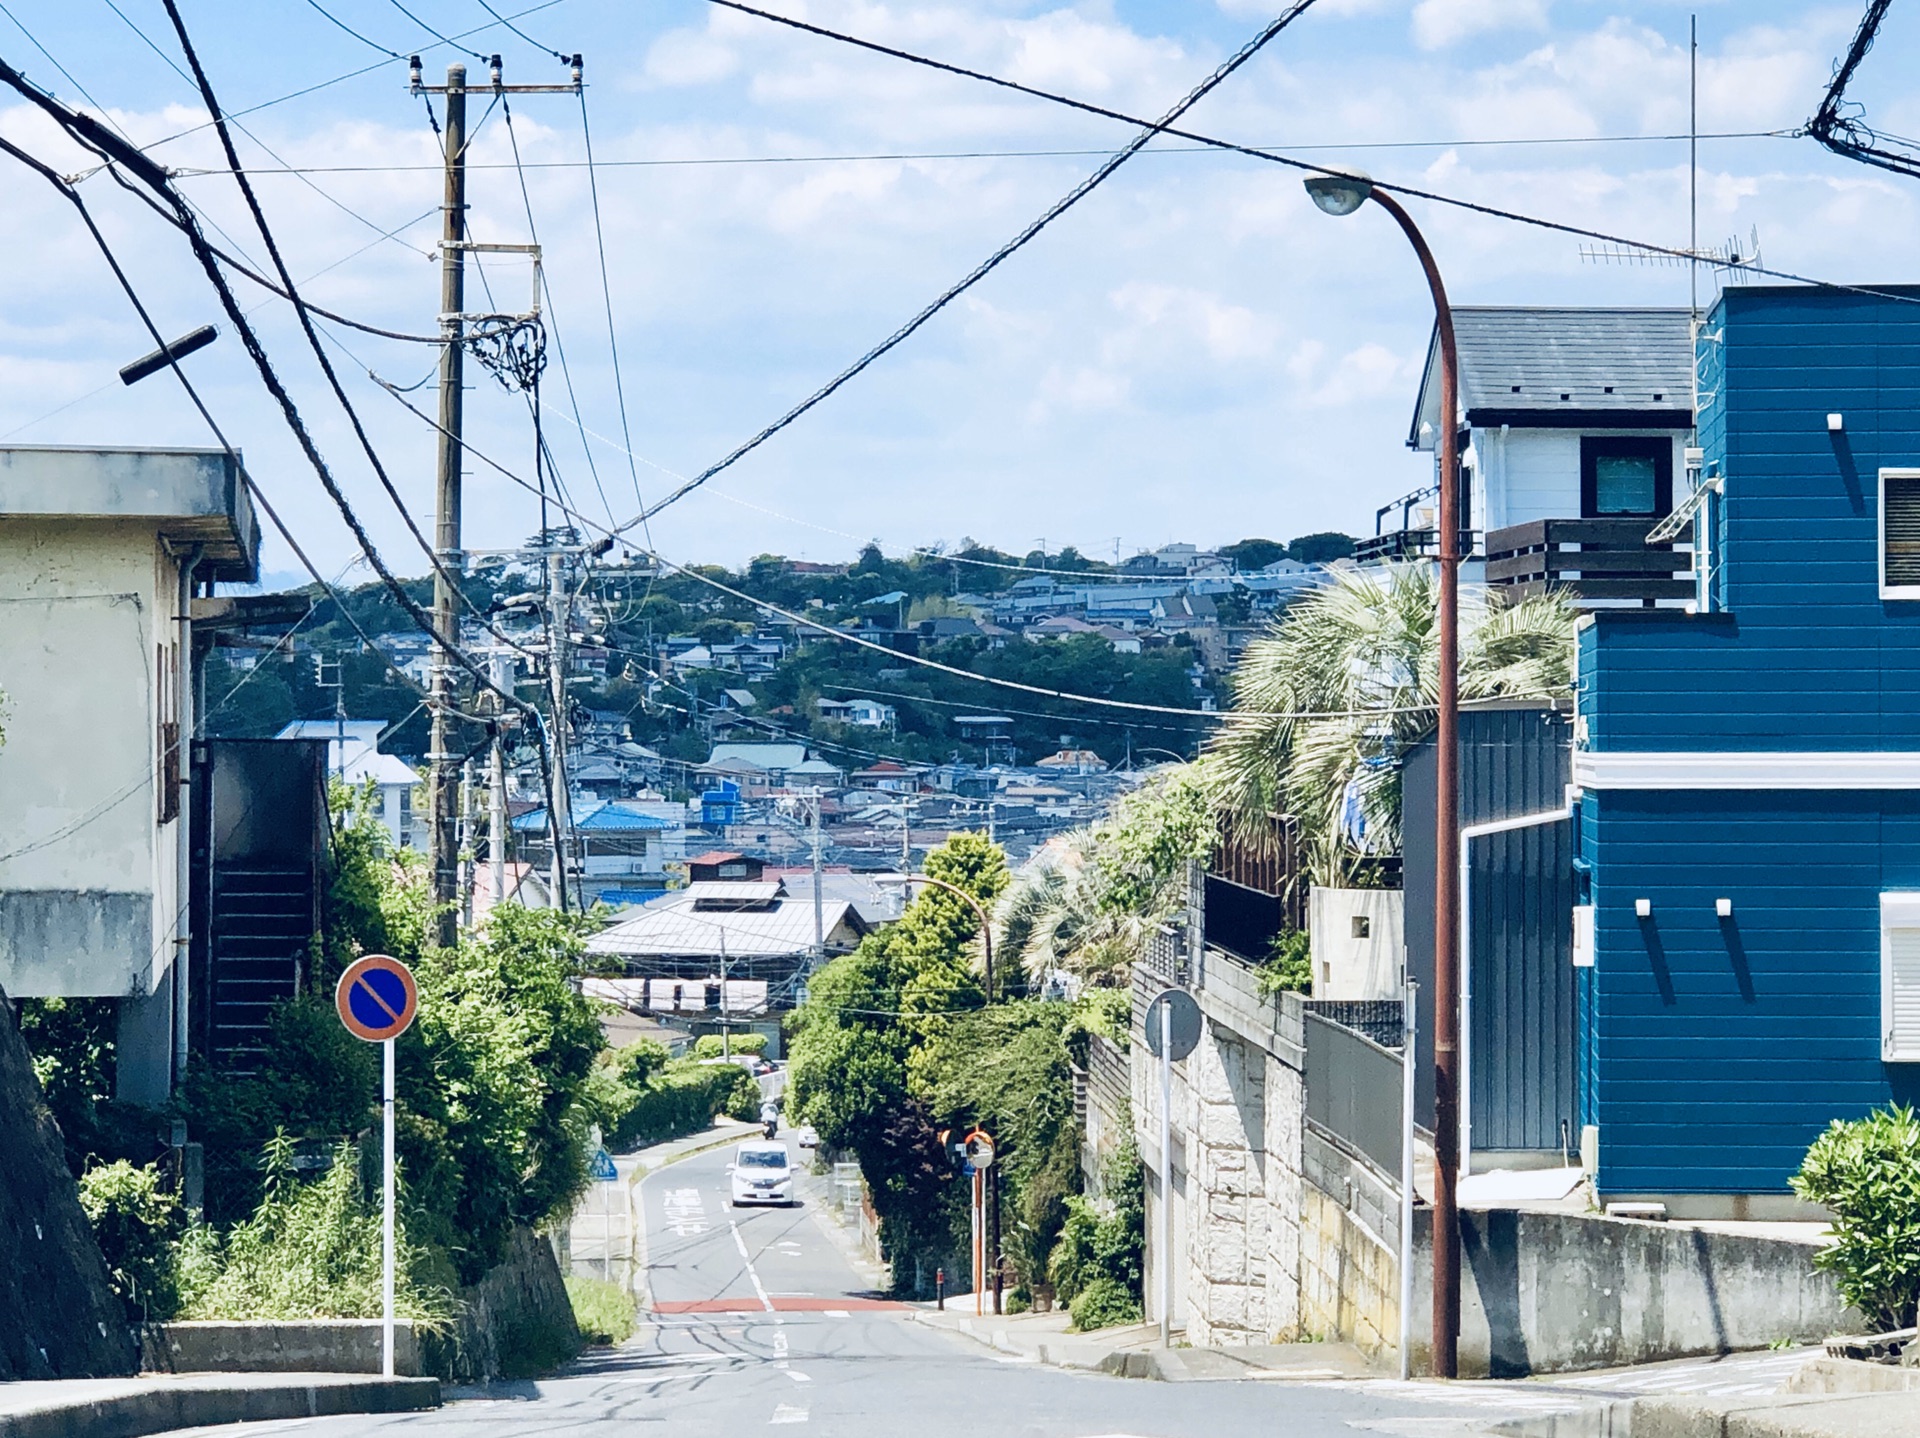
{"x": 336, "y": 21}
{"x": 1079, "y": 192}
{"x": 606, "y": 293}
{"x": 1275, "y": 158}
{"x": 562, "y": 58}
{"x": 900, "y": 156}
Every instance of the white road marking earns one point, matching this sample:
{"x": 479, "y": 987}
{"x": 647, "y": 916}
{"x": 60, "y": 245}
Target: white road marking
{"x": 758, "y": 1287}
{"x": 779, "y": 1345}
{"x": 838, "y": 1313}
{"x": 685, "y": 1213}
{"x": 799, "y": 1377}
{"x": 787, "y": 1413}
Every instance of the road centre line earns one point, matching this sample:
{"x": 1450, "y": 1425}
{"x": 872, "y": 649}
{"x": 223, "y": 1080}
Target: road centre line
{"x": 759, "y": 1288}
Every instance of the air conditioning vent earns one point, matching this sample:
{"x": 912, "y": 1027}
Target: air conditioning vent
{"x": 1900, "y": 531}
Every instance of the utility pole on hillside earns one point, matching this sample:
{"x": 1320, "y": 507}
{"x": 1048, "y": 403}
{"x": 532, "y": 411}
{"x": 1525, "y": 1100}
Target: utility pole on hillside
{"x": 442, "y": 784}
{"x": 559, "y": 617}
{"x": 819, "y": 919}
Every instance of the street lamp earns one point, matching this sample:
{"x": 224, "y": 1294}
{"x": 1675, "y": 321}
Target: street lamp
{"x": 986, "y": 924}
{"x": 1342, "y": 192}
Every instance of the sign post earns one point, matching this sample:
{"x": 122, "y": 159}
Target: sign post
{"x": 376, "y": 1000}
{"x": 605, "y": 1174}
{"x": 1173, "y": 1030}
{"x": 978, "y": 1147}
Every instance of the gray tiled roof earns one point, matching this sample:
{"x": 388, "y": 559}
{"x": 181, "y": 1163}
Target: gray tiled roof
{"x": 1554, "y": 358}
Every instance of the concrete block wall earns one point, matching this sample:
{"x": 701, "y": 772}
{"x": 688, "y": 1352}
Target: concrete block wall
{"x": 1349, "y": 1249}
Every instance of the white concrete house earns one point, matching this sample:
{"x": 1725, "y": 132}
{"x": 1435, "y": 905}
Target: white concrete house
{"x": 353, "y": 755}
{"x": 104, "y": 554}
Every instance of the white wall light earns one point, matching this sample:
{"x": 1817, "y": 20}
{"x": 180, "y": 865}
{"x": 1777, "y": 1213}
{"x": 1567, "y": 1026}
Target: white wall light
{"x": 1643, "y": 908}
{"x": 1836, "y": 423}
{"x": 1723, "y": 907}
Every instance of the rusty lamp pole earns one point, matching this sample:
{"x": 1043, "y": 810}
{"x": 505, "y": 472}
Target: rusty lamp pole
{"x": 1341, "y": 193}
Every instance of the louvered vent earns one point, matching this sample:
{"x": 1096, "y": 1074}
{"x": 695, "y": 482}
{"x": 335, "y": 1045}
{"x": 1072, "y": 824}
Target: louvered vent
{"x": 1901, "y": 1021}
{"x": 1900, "y": 563}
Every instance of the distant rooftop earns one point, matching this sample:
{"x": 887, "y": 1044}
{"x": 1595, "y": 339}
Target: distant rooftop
{"x": 1537, "y": 364}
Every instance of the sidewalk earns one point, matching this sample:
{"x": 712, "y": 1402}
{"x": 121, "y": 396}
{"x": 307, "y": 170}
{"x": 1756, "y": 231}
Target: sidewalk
{"x": 154, "y": 1403}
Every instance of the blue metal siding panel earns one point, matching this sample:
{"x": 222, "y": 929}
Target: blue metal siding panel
{"x": 1718, "y": 1049}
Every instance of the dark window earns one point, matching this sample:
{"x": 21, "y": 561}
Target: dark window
{"x": 1900, "y": 531}
{"x": 1631, "y": 478}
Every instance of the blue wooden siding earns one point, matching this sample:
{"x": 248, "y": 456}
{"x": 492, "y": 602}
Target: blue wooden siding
{"x": 1713, "y": 1051}
{"x": 1808, "y": 655}
{"x": 1725, "y": 1045}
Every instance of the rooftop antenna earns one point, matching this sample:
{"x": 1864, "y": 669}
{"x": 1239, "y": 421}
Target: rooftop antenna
{"x": 1693, "y": 164}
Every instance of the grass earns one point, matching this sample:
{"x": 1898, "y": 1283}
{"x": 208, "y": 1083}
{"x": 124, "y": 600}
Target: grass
{"x": 604, "y": 1311}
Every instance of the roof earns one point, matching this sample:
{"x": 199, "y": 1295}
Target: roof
{"x": 607, "y": 817}
{"x": 675, "y": 930}
{"x": 764, "y": 756}
{"x": 757, "y": 892}
{"x": 1535, "y": 362}
{"x": 717, "y": 856}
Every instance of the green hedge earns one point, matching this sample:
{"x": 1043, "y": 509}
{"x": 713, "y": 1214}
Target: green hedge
{"x": 713, "y": 1046}
{"x": 683, "y": 1097}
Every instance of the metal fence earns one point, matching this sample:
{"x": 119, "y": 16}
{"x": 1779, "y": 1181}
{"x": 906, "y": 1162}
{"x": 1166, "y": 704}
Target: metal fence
{"x": 1382, "y": 1020}
{"x": 1166, "y": 954}
{"x": 1354, "y": 1090}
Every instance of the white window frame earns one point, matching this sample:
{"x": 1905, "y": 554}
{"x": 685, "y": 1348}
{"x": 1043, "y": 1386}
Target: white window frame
{"x": 1892, "y": 591}
{"x": 1899, "y": 913}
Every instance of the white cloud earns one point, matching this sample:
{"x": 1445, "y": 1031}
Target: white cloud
{"x": 1439, "y": 23}
{"x": 1367, "y": 372}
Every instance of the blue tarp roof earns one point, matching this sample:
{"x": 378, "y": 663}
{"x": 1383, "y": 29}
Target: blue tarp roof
{"x": 607, "y": 817}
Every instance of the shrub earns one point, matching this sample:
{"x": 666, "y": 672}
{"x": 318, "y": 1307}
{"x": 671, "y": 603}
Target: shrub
{"x": 311, "y": 1250}
{"x": 682, "y": 1098}
{"x": 1102, "y": 1304}
{"x": 713, "y": 1046}
{"x": 1102, "y": 1245}
{"x": 135, "y": 1220}
{"x": 1866, "y": 1172}
{"x": 604, "y": 1311}
{"x": 1289, "y": 965}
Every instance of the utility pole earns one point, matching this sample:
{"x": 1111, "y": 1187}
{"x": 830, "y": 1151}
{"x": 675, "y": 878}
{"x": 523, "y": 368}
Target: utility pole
{"x": 442, "y": 853}
{"x": 819, "y": 922}
{"x": 497, "y": 815}
{"x": 442, "y": 786}
{"x": 559, "y": 614}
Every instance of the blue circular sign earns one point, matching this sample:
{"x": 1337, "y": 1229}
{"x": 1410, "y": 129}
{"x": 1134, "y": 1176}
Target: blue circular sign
{"x": 376, "y": 998}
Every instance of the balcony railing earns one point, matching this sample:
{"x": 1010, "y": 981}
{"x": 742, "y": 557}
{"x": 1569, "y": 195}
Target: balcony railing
{"x": 1410, "y": 544}
{"x": 1596, "y": 559}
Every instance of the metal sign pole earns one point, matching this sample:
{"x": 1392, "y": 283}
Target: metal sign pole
{"x": 977, "y": 1262}
{"x": 606, "y": 1227}
{"x": 386, "y": 1214}
{"x": 1166, "y": 1174}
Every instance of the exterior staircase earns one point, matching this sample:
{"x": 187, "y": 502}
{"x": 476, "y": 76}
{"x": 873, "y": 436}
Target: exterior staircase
{"x": 262, "y": 924}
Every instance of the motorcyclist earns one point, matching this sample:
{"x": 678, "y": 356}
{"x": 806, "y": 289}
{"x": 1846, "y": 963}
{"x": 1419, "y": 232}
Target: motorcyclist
{"x": 770, "y": 1118}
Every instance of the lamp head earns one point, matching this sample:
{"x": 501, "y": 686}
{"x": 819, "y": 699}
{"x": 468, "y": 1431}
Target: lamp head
{"x": 1340, "y": 192}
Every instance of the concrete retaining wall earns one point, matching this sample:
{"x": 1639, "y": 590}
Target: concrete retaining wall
{"x": 1555, "y": 1292}
{"x": 335, "y": 1345}
{"x": 1349, "y": 1250}
{"x": 514, "y": 1323}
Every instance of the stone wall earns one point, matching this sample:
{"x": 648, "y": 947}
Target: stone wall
{"x": 514, "y": 1323}
{"x": 1349, "y": 1249}
{"x": 257, "y": 1345}
{"x": 58, "y": 1316}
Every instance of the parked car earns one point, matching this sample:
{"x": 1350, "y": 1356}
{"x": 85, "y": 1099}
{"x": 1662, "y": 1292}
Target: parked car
{"x": 807, "y": 1136}
{"x": 761, "y": 1172}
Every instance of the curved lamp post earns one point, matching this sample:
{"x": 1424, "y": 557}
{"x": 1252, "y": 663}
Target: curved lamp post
{"x": 1342, "y": 193}
{"x": 986, "y": 924}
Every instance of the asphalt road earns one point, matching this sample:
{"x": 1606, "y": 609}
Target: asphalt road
{"x": 759, "y": 1317}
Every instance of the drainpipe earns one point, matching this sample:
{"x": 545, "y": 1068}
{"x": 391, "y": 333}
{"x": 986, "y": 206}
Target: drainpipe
{"x": 183, "y": 818}
{"x": 1468, "y": 833}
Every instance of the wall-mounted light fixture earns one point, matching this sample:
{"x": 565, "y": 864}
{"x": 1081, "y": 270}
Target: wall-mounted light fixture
{"x": 1723, "y": 907}
{"x": 1643, "y": 908}
{"x": 1836, "y": 423}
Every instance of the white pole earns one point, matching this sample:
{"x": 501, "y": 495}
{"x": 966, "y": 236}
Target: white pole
{"x": 1410, "y": 994}
{"x": 978, "y": 1262}
{"x": 1166, "y": 1173}
{"x": 386, "y": 1214}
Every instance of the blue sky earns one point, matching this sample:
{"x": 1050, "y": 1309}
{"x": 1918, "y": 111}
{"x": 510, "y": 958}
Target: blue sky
{"x": 1192, "y": 353}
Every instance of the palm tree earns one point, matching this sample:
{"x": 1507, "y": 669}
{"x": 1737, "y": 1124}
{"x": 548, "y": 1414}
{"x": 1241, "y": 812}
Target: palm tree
{"x": 1057, "y": 916}
{"x": 1329, "y": 698}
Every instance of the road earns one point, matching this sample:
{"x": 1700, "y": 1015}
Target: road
{"x": 760, "y": 1317}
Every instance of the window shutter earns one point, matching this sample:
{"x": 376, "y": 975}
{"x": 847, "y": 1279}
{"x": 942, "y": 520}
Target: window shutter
{"x": 1900, "y": 978}
{"x": 1900, "y": 530}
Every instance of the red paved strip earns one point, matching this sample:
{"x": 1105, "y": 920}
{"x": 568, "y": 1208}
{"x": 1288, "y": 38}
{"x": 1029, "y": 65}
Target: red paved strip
{"x": 780, "y": 1305}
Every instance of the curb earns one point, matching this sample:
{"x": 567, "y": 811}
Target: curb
{"x": 191, "y": 1404}
{"x": 716, "y": 1139}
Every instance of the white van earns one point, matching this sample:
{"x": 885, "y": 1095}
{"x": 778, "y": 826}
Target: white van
{"x": 762, "y": 1173}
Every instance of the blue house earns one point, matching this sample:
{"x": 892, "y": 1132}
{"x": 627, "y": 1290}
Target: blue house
{"x": 1747, "y": 885}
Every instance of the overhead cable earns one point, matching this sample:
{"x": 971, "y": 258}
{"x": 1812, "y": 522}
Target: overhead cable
{"x": 1079, "y": 192}
{"x": 1839, "y": 124}
{"x": 1275, "y": 157}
